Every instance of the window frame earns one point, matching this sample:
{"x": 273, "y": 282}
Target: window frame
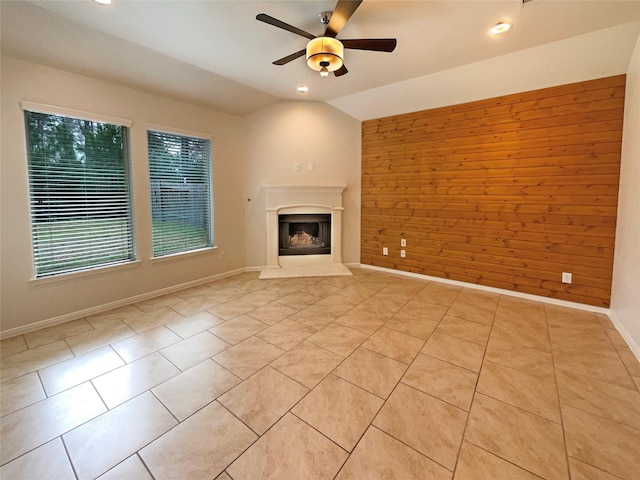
{"x": 39, "y": 108}
{"x": 163, "y": 129}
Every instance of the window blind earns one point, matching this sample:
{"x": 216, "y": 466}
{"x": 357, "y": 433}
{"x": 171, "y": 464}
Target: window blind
{"x": 80, "y": 194}
{"x": 181, "y": 192}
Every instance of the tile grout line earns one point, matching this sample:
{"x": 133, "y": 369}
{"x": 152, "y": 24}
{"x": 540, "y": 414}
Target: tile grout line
{"x": 332, "y": 372}
{"x": 66, "y": 451}
{"x": 144, "y": 464}
{"x": 371, "y": 424}
{"x": 501, "y": 401}
{"x": 555, "y": 379}
{"x": 475, "y": 389}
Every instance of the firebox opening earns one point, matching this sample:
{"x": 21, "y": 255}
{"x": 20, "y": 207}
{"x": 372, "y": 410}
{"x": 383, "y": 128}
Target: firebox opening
{"x": 305, "y": 234}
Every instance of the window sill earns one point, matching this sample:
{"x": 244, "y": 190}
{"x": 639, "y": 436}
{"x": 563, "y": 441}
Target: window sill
{"x": 183, "y": 255}
{"x": 63, "y": 277}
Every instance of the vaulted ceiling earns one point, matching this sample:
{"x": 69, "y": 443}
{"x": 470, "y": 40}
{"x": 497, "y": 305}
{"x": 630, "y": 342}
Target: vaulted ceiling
{"x": 215, "y": 53}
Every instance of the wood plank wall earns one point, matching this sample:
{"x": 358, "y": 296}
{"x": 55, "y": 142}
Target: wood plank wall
{"x": 507, "y": 192}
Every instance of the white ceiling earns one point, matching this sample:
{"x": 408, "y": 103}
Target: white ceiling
{"x": 215, "y": 53}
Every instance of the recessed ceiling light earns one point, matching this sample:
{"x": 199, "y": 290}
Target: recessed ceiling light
{"x": 500, "y": 28}
{"x": 103, "y": 2}
{"x": 302, "y": 89}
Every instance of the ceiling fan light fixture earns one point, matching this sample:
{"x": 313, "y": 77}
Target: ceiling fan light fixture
{"x": 324, "y": 55}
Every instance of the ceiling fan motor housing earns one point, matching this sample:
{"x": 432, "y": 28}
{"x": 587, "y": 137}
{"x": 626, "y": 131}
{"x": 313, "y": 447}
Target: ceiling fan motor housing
{"x": 325, "y": 52}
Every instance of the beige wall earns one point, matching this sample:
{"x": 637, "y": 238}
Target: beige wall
{"x": 280, "y": 136}
{"x": 625, "y": 294}
{"x": 22, "y": 301}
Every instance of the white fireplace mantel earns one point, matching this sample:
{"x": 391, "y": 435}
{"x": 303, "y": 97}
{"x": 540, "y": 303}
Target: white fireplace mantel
{"x": 292, "y": 199}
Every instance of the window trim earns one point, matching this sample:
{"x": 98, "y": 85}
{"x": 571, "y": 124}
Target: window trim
{"x": 183, "y": 255}
{"x": 69, "y": 276}
{"x": 28, "y": 106}
{"x": 176, "y": 131}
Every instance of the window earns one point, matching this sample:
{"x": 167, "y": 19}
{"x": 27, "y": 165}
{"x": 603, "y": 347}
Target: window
{"x": 181, "y": 192}
{"x": 80, "y": 195}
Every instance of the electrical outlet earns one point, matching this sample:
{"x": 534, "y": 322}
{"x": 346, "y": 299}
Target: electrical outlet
{"x": 403, "y": 253}
{"x": 403, "y": 242}
{"x": 566, "y": 277}
{"x": 385, "y": 251}
{"x": 298, "y": 167}
{"x": 309, "y": 167}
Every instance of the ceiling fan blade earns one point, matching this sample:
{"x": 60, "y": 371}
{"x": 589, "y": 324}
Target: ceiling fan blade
{"x": 341, "y": 71}
{"x": 289, "y": 58}
{"x": 340, "y": 16}
{"x": 263, "y": 17}
{"x": 376, "y": 44}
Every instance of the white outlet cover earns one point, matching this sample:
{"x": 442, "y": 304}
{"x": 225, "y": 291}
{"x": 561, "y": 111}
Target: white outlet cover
{"x": 566, "y": 277}
{"x": 385, "y": 251}
{"x": 403, "y": 242}
{"x": 403, "y": 253}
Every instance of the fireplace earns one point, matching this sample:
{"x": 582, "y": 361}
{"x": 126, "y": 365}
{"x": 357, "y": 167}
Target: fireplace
{"x": 304, "y": 234}
{"x": 304, "y": 231}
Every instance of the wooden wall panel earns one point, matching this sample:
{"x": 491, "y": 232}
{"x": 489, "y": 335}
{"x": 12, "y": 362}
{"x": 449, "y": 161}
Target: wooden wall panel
{"x": 507, "y": 192}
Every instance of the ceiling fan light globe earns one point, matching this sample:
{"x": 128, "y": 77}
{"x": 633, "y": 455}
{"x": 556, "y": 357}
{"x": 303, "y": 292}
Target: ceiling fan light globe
{"x": 325, "y": 52}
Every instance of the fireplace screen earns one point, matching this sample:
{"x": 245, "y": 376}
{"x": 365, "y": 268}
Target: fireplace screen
{"x": 305, "y": 234}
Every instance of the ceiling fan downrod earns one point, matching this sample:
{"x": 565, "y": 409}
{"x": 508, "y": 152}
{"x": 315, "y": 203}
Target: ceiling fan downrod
{"x": 324, "y": 18}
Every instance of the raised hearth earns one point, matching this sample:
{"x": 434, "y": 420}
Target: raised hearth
{"x": 323, "y": 206}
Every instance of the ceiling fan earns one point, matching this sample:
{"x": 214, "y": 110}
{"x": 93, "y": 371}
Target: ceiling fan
{"x": 325, "y": 53}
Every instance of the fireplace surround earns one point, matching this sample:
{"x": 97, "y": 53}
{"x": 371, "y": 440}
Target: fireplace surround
{"x": 321, "y": 205}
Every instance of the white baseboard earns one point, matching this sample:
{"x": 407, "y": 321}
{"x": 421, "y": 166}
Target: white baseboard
{"x": 635, "y": 348}
{"x": 118, "y": 303}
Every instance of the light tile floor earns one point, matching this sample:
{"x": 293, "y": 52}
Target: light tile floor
{"x": 375, "y": 376}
